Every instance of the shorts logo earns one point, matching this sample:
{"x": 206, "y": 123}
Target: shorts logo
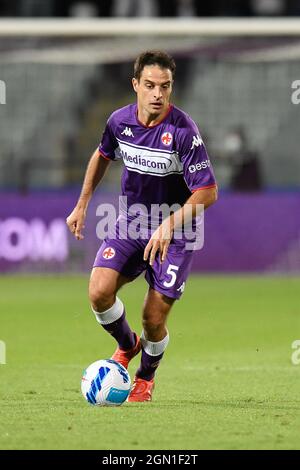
{"x": 181, "y": 288}
{"x": 108, "y": 253}
{"x": 167, "y": 138}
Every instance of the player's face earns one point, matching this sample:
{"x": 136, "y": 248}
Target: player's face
{"x": 153, "y": 89}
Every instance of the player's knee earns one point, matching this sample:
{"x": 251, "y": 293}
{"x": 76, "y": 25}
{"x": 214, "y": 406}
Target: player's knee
{"x": 101, "y": 299}
{"x": 153, "y": 324}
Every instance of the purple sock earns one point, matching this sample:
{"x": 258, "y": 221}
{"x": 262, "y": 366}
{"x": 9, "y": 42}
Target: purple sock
{"x": 148, "y": 366}
{"x": 121, "y": 331}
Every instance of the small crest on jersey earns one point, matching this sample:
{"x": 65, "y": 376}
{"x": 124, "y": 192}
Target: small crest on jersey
{"x": 167, "y": 138}
{"x": 108, "y": 253}
{"x": 127, "y": 131}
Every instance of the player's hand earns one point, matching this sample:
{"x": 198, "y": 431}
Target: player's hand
{"x": 159, "y": 241}
{"x": 75, "y": 222}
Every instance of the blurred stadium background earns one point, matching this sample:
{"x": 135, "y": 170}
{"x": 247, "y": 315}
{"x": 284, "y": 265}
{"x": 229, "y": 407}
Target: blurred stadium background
{"x": 64, "y": 67}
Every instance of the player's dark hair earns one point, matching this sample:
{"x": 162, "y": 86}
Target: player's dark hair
{"x": 160, "y": 58}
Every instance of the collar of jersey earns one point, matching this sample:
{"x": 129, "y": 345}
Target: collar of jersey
{"x": 159, "y": 122}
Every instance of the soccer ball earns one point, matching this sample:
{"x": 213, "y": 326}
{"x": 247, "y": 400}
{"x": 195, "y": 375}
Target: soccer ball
{"x": 105, "y": 383}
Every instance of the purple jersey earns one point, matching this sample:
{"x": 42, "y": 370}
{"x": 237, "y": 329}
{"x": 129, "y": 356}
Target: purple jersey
{"x": 164, "y": 163}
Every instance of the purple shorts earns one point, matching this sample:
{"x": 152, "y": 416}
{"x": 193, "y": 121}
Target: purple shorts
{"x": 126, "y": 257}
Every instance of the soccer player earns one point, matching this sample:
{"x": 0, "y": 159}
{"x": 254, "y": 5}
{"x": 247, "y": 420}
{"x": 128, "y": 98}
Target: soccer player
{"x": 165, "y": 162}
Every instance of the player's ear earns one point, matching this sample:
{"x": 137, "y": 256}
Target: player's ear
{"x": 134, "y": 84}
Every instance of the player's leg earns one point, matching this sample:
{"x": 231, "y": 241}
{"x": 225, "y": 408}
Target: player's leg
{"x": 103, "y": 287}
{"x": 108, "y": 308}
{"x": 167, "y": 282}
{"x": 117, "y": 263}
{"x": 155, "y": 336}
{"x": 154, "y": 339}
{"x": 110, "y": 312}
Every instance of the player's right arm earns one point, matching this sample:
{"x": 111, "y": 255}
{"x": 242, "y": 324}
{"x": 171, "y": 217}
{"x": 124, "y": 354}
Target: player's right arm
{"x": 95, "y": 171}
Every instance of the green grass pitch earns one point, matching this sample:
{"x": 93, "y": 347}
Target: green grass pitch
{"x": 227, "y": 380}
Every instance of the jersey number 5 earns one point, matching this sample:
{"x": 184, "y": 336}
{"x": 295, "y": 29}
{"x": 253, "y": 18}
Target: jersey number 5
{"x": 172, "y": 271}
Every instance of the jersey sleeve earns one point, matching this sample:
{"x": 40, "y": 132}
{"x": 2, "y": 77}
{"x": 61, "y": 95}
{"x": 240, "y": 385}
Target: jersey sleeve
{"x": 197, "y": 169}
{"x": 108, "y": 142}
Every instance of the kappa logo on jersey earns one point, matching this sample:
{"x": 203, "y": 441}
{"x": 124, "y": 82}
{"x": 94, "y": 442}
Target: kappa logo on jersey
{"x": 108, "y": 253}
{"x": 127, "y": 131}
{"x": 167, "y": 138}
{"x": 197, "y": 141}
